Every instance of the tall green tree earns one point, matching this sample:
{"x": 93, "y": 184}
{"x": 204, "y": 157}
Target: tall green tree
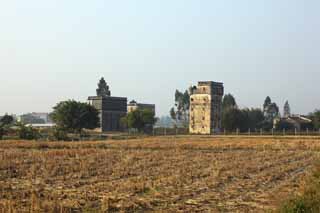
{"x": 7, "y": 120}
{"x": 2, "y": 131}
{"x": 316, "y": 119}
{"x": 28, "y": 132}
{"x": 267, "y": 102}
{"x": 229, "y": 102}
{"x": 256, "y": 118}
{"x": 180, "y": 112}
{"x": 74, "y": 116}
{"x": 232, "y": 119}
{"x": 142, "y": 120}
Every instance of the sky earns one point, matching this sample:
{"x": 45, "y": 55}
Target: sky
{"x": 56, "y": 50}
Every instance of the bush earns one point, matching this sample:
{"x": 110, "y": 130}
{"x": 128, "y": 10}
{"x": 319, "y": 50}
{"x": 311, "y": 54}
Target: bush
{"x": 59, "y": 134}
{"x": 1, "y": 132}
{"x": 28, "y": 133}
{"x": 309, "y": 201}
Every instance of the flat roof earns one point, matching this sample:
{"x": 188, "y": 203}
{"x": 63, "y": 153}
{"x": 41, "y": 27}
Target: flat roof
{"x": 209, "y": 83}
{"x": 106, "y": 97}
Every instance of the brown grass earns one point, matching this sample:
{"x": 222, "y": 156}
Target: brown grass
{"x": 186, "y": 174}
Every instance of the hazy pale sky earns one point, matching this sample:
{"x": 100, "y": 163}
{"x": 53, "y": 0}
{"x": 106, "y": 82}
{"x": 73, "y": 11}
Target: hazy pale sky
{"x": 57, "y": 50}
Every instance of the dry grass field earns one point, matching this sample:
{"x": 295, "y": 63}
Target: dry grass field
{"x": 163, "y": 174}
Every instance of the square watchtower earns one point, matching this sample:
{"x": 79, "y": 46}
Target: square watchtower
{"x": 111, "y": 109}
{"x": 206, "y": 107}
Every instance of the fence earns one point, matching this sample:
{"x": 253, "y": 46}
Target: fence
{"x": 249, "y": 132}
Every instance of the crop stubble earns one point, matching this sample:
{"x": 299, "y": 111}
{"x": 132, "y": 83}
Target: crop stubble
{"x": 186, "y": 174}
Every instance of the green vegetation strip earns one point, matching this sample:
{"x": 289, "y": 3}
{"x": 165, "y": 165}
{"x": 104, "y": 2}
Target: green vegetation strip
{"x": 309, "y": 200}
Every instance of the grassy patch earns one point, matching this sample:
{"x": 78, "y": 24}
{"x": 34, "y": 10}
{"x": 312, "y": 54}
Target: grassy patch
{"x": 309, "y": 200}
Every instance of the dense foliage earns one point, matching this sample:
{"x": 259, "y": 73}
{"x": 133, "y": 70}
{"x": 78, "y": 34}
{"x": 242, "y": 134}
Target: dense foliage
{"x": 315, "y": 116}
{"x": 6, "y": 120}
{"x": 73, "y": 116}
{"x": 142, "y": 120}
{"x": 27, "y": 132}
{"x": 309, "y": 201}
{"x": 229, "y": 102}
{"x": 234, "y": 118}
{"x": 180, "y": 112}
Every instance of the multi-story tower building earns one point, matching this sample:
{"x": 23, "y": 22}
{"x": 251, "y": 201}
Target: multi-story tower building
{"x": 206, "y": 107}
{"x": 111, "y": 109}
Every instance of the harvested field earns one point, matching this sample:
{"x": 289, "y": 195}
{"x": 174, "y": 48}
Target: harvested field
{"x": 163, "y": 174}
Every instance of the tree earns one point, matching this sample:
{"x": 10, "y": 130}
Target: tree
{"x": 256, "y": 118}
{"x": 242, "y": 119}
{"x": 27, "y": 132}
{"x": 180, "y": 113}
{"x": 267, "y": 102}
{"x": 231, "y": 119}
{"x": 229, "y": 102}
{"x": 73, "y": 116}
{"x": 2, "y": 132}
{"x": 271, "y": 111}
{"x": 142, "y": 120}
{"x": 7, "y": 120}
{"x": 286, "y": 110}
{"x": 316, "y": 119}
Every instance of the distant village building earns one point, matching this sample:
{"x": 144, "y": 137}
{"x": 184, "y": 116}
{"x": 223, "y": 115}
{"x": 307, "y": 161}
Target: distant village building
{"x": 111, "y": 109}
{"x": 292, "y": 122}
{"x": 42, "y": 115}
{"x": 34, "y": 118}
{"x": 297, "y": 122}
{"x": 133, "y": 105}
{"x": 206, "y": 107}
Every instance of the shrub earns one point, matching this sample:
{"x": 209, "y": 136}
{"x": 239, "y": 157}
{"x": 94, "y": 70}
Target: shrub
{"x": 1, "y": 132}
{"x": 28, "y": 133}
{"x": 309, "y": 201}
{"x": 59, "y": 134}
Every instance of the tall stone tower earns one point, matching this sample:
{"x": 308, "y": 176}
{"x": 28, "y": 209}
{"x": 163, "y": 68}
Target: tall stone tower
{"x": 111, "y": 109}
{"x": 206, "y": 107}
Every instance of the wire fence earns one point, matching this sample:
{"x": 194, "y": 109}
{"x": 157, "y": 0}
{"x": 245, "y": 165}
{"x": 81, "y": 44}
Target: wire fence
{"x": 249, "y": 132}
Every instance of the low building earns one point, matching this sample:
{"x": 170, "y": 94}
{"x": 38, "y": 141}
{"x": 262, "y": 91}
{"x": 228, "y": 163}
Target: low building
{"x": 42, "y": 115}
{"x": 31, "y": 118}
{"x": 298, "y": 122}
{"x": 111, "y": 109}
{"x": 133, "y": 105}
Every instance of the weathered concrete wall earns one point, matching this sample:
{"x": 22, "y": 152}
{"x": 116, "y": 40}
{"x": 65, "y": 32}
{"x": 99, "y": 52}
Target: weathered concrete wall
{"x": 136, "y": 106}
{"x": 111, "y": 110}
{"x": 200, "y": 114}
{"x": 206, "y": 108}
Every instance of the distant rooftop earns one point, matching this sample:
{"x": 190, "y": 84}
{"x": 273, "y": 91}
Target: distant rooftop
{"x": 206, "y": 83}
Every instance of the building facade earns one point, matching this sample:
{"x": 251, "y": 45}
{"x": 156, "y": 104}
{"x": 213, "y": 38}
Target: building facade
{"x": 206, "y": 107}
{"x": 111, "y": 109}
{"x": 133, "y": 105}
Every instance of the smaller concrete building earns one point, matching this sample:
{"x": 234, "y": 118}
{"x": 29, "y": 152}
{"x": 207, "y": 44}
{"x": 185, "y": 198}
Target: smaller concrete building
{"x": 133, "y": 105}
{"x": 298, "y": 122}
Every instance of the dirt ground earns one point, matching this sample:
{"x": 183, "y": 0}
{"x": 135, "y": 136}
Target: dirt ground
{"x": 162, "y": 174}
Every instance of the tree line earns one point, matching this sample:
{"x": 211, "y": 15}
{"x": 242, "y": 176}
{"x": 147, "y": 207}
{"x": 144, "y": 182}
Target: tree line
{"x": 73, "y": 117}
{"x": 243, "y": 120}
